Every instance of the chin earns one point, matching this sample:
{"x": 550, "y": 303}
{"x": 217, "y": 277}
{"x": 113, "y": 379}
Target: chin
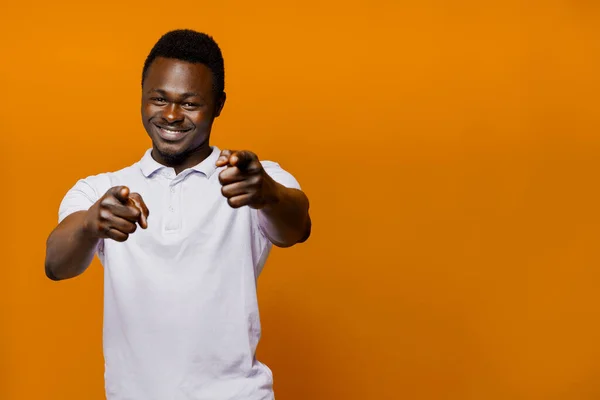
{"x": 170, "y": 154}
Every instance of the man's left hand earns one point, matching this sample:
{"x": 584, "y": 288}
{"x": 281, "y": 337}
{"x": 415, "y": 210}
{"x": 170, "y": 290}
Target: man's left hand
{"x": 244, "y": 181}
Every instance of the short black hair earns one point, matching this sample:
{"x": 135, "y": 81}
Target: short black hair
{"x": 191, "y": 46}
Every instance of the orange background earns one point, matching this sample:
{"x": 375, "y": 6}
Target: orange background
{"x": 450, "y": 151}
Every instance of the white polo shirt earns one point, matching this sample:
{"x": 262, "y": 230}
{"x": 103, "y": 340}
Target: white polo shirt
{"x": 181, "y": 318}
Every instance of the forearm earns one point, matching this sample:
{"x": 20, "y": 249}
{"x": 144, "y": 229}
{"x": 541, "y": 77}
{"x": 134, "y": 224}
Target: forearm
{"x": 285, "y": 219}
{"x": 69, "y": 249}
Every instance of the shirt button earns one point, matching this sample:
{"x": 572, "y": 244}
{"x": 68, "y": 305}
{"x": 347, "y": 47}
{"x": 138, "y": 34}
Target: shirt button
{"x": 172, "y": 190}
{"x": 171, "y": 208}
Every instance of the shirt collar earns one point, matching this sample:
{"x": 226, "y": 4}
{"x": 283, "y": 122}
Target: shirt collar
{"x": 149, "y": 165}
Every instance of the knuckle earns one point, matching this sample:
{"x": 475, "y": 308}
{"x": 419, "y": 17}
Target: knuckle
{"x": 224, "y": 191}
{"x": 104, "y": 214}
{"x": 98, "y": 227}
{"x": 106, "y": 201}
{"x": 118, "y": 235}
{"x": 256, "y": 180}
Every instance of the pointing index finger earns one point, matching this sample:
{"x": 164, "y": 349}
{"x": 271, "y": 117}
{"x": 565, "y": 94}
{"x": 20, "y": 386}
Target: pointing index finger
{"x": 121, "y": 193}
{"x": 242, "y": 159}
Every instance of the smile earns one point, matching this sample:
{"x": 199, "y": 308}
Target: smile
{"x": 171, "y": 134}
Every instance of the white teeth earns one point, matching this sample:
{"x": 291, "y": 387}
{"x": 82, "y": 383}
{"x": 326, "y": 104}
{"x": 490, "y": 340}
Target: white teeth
{"x": 170, "y": 134}
{"x": 171, "y": 131}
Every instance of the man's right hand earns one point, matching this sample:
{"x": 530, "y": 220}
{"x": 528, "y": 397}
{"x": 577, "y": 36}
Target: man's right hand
{"x": 115, "y": 215}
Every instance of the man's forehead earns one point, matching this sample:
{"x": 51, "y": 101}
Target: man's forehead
{"x": 178, "y": 75}
{"x": 163, "y": 65}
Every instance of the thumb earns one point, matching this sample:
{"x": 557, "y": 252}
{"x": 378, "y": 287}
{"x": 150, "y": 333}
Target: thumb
{"x": 137, "y": 201}
{"x": 223, "y": 158}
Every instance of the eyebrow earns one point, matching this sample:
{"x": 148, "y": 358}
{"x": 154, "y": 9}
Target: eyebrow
{"x": 183, "y": 95}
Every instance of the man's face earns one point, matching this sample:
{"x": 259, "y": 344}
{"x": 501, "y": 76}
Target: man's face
{"x": 178, "y": 108}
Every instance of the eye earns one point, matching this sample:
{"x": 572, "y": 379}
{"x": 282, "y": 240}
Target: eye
{"x": 190, "y": 105}
{"x": 158, "y": 100}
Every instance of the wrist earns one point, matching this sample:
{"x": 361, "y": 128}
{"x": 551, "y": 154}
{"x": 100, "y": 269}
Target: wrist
{"x": 85, "y": 231}
{"x": 273, "y": 194}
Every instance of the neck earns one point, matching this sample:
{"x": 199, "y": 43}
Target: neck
{"x": 182, "y": 161}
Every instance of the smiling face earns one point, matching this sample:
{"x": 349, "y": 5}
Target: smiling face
{"x": 178, "y": 109}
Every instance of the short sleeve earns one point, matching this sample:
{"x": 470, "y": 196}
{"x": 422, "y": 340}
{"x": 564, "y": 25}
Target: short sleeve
{"x": 280, "y": 175}
{"x": 79, "y": 198}
{"x": 284, "y": 178}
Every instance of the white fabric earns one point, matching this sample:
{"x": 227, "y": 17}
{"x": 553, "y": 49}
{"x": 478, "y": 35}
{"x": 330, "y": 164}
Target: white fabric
{"x": 181, "y": 318}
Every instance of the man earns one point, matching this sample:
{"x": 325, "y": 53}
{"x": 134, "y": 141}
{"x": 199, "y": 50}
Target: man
{"x": 181, "y": 317}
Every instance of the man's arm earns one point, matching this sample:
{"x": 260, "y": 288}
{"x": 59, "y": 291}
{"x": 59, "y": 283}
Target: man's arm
{"x": 69, "y": 249}
{"x": 71, "y": 246}
{"x": 283, "y": 211}
{"x": 285, "y": 220}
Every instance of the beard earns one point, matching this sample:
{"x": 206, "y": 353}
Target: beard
{"x": 175, "y": 159}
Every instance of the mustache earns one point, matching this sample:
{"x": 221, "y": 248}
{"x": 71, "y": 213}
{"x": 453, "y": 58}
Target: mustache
{"x": 174, "y": 127}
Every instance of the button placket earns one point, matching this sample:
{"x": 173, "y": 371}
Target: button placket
{"x": 174, "y": 213}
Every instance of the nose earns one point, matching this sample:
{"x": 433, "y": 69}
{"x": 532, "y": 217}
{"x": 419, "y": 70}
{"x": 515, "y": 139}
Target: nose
{"x": 172, "y": 114}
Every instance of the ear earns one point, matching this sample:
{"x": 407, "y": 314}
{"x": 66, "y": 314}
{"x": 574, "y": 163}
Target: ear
{"x": 219, "y": 104}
